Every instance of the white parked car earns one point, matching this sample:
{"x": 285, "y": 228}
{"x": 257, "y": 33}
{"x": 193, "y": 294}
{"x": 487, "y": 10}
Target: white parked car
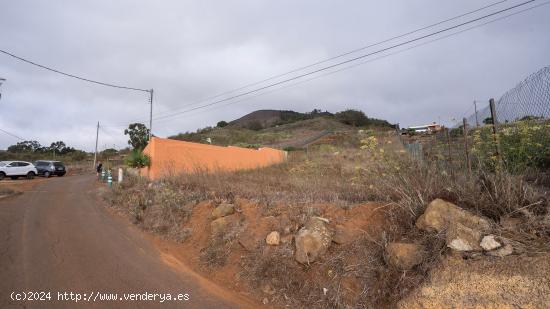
{"x": 15, "y": 169}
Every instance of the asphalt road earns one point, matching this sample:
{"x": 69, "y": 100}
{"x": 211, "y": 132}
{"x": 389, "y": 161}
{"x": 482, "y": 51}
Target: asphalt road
{"x": 58, "y": 238}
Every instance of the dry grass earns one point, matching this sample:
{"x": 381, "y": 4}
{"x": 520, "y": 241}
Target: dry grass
{"x": 354, "y": 274}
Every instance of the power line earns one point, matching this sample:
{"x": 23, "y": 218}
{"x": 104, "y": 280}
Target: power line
{"x": 71, "y": 75}
{"x": 150, "y": 91}
{"x": 102, "y": 128}
{"x": 341, "y": 55}
{"x": 349, "y": 60}
{"x": 12, "y": 135}
{"x": 381, "y": 57}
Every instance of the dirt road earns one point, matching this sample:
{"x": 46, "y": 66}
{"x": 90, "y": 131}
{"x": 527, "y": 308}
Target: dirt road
{"x": 57, "y": 238}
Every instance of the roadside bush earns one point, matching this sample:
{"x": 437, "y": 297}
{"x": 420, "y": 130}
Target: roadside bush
{"x": 523, "y": 144}
{"x": 251, "y": 146}
{"x": 291, "y": 148}
{"x": 137, "y": 159}
{"x": 345, "y": 177}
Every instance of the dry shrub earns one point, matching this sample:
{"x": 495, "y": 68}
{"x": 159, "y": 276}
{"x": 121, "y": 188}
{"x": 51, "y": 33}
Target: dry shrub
{"x": 488, "y": 194}
{"x": 219, "y": 247}
{"x": 351, "y": 275}
{"x": 410, "y": 188}
{"x": 343, "y": 177}
{"x": 156, "y": 207}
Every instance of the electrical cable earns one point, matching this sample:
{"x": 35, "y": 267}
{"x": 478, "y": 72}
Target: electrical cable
{"x": 349, "y": 60}
{"x": 340, "y": 55}
{"x": 379, "y": 58}
{"x": 71, "y": 75}
{"x": 12, "y": 135}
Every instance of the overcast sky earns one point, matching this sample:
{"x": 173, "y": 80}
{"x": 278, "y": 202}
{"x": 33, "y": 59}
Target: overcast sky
{"x": 191, "y": 50}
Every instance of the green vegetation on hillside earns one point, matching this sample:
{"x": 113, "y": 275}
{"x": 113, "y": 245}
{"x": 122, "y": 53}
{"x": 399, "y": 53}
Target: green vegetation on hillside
{"x": 281, "y": 129}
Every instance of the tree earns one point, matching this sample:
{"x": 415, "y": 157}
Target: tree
{"x": 530, "y": 118}
{"x": 352, "y": 117}
{"x": 488, "y": 120}
{"x": 57, "y": 147}
{"x": 222, "y": 124}
{"x": 108, "y": 153}
{"x": 67, "y": 150}
{"x": 139, "y": 135}
{"x": 25, "y": 146}
{"x": 359, "y": 119}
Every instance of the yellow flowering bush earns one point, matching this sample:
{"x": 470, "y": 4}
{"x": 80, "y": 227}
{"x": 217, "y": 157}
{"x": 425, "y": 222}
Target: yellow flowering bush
{"x": 370, "y": 143}
{"x": 522, "y": 144}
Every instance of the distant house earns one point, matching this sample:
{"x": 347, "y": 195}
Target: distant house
{"x": 428, "y": 128}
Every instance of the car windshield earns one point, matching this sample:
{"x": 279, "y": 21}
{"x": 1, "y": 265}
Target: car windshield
{"x": 2, "y": 163}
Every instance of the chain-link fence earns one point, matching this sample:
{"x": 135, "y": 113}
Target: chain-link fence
{"x": 520, "y": 139}
{"x": 530, "y": 98}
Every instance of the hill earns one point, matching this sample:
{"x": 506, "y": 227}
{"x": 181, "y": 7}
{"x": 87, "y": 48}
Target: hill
{"x": 267, "y": 118}
{"x": 282, "y": 129}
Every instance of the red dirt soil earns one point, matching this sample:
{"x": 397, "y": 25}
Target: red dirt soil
{"x": 254, "y": 227}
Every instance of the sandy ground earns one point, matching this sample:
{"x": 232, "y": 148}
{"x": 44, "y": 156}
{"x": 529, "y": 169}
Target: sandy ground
{"x": 21, "y": 185}
{"x": 492, "y": 282}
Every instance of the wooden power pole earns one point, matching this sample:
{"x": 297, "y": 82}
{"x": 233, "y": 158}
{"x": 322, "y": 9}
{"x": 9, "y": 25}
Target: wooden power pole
{"x": 96, "y": 139}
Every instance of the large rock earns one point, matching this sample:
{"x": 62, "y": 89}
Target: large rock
{"x": 312, "y": 241}
{"x": 404, "y": 255}
{"x": 223, "y": 210}
{"x": 220, "y": 225}
{"x": 463, "y": 238}
{"x": 273, "y": 238}
{"x": 489, "y": 243}
{"x": 439, "y": 214}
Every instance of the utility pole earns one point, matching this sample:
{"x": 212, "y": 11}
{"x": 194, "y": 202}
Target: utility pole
{"x": 96, "y": 139}
{"x": 475, "y": 108}
{"x": 151, "y": 114}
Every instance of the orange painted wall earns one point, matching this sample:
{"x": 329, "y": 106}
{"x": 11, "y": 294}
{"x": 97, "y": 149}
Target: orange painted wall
{"x": 172, "y": 157}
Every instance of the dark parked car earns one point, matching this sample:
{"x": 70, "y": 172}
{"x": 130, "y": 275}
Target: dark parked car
{"x": 49, "y": 168}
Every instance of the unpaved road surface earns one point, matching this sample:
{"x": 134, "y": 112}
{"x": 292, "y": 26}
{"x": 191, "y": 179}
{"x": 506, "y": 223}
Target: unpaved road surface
{"x": 57, "y": 238}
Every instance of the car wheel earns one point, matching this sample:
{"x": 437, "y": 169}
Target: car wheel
{"x": 2, "y": 175}
{"x": 14, "y": 177}
{"x": 30, "y": 175}
{"x": 60, "y": 175}
{"x": 46, "y": 174}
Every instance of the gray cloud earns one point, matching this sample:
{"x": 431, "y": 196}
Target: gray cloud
{"x": 188, "y": 50}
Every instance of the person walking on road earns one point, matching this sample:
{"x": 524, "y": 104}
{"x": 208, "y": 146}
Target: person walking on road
{"x": 99, "y": 168}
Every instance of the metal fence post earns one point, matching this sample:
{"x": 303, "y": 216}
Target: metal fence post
{"x": 465, "y": 130}
{"x": 495, "y": 129}
{"x": 449, "y": 147}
